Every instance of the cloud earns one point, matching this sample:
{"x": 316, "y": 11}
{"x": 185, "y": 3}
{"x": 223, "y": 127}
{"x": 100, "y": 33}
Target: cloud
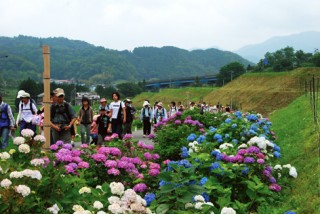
{"x": 125, "y": 24}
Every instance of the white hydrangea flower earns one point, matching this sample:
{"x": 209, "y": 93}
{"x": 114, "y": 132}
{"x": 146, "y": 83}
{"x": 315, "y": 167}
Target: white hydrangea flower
{"x": 40, "y": 138}
{"x": 141, "y": 201}
{"x": 4, "y": 155}
{"x": 35, "y": 174}
{"x": 225, "y": 146}
{"x": 288, "y": 166}
{"x": 19, "y": 140}
{"x": 148, "y": 211}
{"x": 209, "y": 203}
{"x": 117, "y": 188}
{"x": 188, "y": 205}
{"x": 99, "y": 187}
{"x": 97, "y": 205}
{"x": 101, "y": 212}
{"x": 1, "y": 169}
{"x": 27, "y": 133}
{"x": 293, "y": 172}
{"x": 114, "y": 199}
{"x": 82, "y": 212}
{"x": 85, "y": 190}
{"x": 12, "y": 151}
{"x": 279, "y": 175}
{"x": 228, "y": 210}
{"x": 190, "y": 150}
{"x": 115, "y": 208}
{"x": 54, "y": 209}
{"x": 198, "y": 205}
{"x": 243, "y": 146}
{"x": 137, "y": 208}
{"x": 5, "y": 183}
{"x": 198, "y": 198}
{"x": 37, "y": 162}
{"x": 130, "y": 195}
{"x": 24, "y": 148}
{"x": 23, "y": 190}
{"x": 16, "y": 174}
{"x": 77, "y": 208}
{"x": 277, "y": 167}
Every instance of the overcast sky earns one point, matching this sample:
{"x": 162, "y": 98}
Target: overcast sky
{"x": 188, "y": 24}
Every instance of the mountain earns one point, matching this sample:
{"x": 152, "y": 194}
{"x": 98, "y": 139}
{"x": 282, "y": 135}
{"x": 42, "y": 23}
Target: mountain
{"x": 74, "y": 59}
{"x": 306, "y": 41}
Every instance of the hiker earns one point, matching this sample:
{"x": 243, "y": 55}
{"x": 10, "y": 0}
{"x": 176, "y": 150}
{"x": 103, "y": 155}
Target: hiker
{"x": 161, "y": 113}
{"x": 154, "y": 112}
{"x": 146, "y": 118}
{"x": 103, "y": 124}
{"x": 118, "y": 114}
{"x": 85, "y": 117}
{"x": 192, "y": 105}
{"x": 94, "y": 130}
{"x": 130, "y": 111}
{"x": 6, "y": 123}
{"x": 173, "y": 109}
{"x": 104, "y": 103}
{"x": 62, "y": 118}
{"x": 27, "y": 109}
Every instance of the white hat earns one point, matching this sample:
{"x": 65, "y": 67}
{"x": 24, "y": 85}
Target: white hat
{"x": 20, "y": 93}
{"x": 59, "y": 92}
{"x": 160, "y": 104}
{"x": 146, "y": 103}
{"x": 25, "y": 95}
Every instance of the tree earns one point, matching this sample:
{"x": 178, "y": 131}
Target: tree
{"x": 229, "y": 72}
{"x": 316, "y": 59}
{"x": 32, "y": 87}
{"x": 129, "y": 89}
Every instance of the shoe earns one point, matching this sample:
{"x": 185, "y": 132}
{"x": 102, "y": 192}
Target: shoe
{"x": 72, "y": 143}
{"x": 144, "y": 136}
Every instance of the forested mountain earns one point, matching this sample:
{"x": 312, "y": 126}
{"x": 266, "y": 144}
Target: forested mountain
{"x": 85, "y": 62}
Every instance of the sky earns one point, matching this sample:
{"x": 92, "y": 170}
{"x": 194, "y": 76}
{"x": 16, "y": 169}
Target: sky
{"x": 187, "y": 24}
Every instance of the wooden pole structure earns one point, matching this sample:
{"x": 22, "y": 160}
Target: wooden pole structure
{"x": 46, "y": 96}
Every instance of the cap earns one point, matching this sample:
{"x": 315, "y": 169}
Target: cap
{"x": 103, "y": 100}
{"x": 20, "y": 93}
{"x": 146, "y": 103}
{"x": 59, "y": 92}
{"x": 25, "y": 95}
{"x": 127, "y": 101}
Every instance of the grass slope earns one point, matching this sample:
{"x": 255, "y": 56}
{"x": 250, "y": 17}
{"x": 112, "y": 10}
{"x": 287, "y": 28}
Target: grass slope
{"x": 297, "y": 138}
{"x": 263, "y": 92}
{"x": 174, "y": 94}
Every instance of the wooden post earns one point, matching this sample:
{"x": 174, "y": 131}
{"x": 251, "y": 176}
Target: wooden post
{"x": 46, "y": 96}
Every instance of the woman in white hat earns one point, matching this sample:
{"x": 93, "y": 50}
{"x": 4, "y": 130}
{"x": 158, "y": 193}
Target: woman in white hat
{"x": 160, "y": 113}
{"x": 146, "y": 118}
{"x": 26, "y": 111}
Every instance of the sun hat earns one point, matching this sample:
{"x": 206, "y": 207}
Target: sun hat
{"x": 160, "y": 104}
{"x": 59, "y": 92}
{"x": 103, "y": 100}
{"x": 145, "y": 103}
{"x": 127, "y": 100}
{"x": 25, "y": 95}
{"x": 20, "y": 93}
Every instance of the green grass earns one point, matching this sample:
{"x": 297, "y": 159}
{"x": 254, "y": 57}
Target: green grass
{"x": 297, "y": 138}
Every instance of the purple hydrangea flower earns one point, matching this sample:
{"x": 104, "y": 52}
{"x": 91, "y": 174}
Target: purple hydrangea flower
{"x": 275, "y": 187}
{"x": 248, "y": 160}
{"x": 113, "y": 171}
{"x": 83, "y": 165}
{"x": 140, "y": 187}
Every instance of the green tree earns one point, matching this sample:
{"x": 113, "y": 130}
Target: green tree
{"x": 129, "y": 89}
{"x": 32, "y": 87}
{"x": 316, "y": 59}
{"x": 229, "y": 72}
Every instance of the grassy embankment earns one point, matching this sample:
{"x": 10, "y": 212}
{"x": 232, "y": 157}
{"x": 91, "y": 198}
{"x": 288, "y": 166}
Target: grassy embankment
{"x": 299, "y": 144}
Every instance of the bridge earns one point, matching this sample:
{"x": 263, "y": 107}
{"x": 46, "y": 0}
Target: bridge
{"x": 181, "y": 82}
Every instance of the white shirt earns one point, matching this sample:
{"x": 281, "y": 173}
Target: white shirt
{"x": 25, "y": 113}
{"x": 114, "y": 106}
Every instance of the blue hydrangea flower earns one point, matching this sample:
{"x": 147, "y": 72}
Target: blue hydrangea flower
{"x": 185, "y": 152}
{"x": 254, "y": 127}
{"x": 206, "y": 197}
{"x": 214, "y": 152}
{"x": 228, "y": 120}
{"x": 245, "y": 171}
{"x": 235, "y": 141}
{"x": 238, "y": 114}
{"x": 203, "y": 181}
{"x": 184, "y": 163}
{"x": 215, "y": 165}
{"x": 201, "y": 138}
{"x": 217, "y": 136}
{"x": 212, "y": 129}
{"x": 226, "y": 136}
{"x": 234, "y": 126}
{"x": 252, "y": 132}
{"x": 191, "y": 137}
{"x": 290, "y": 212}
{"x": 276, "y": 148}
{"x": 277, "y": 154}
{"x": 149, "y": 197}
{"x": 219, "y": 156}
{"x": 162, "y": 183}
{"x": 252, "y": 117}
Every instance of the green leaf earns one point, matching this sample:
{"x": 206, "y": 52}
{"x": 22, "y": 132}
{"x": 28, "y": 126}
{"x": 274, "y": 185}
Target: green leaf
{"x": 163, "y": 208}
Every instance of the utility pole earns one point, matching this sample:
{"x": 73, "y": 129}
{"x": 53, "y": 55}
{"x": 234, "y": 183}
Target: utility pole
{"x": 46, "y": 94}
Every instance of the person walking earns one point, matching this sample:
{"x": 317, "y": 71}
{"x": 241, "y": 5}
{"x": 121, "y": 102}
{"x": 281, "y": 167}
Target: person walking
{"x": 173, "y": 109}
{"x": 85, "y": 117}
{"x": 146, "y": 118}
{"x": 62, "y": 118}
{"x": 130, "y": 111}
{"x": 161, "y": 113}
{"x": 103, "y": 124}
{"x": 27, "y": 110}
{"x": 6, "y": 123}
{"x": 118, "y": 114}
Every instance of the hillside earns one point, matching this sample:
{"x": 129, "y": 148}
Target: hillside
{"x": 83, "y": 61}
{"x": 306, "y": 41}
{"x": 263, "y": 92}
{"x": 184, "y": 95}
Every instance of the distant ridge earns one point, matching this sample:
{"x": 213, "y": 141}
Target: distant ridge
{"x": 79, "y": 60}
{"x": 306, "y": 41}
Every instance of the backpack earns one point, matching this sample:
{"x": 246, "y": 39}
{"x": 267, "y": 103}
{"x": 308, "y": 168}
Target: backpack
{"x": 144, "y": 112}
{"x": 4, "y": 119}
{"x": 160, "y": 114}
{"x": 65, "y": 114}
{"x": 120, "y": 113}
{"x": 30, "y": 107}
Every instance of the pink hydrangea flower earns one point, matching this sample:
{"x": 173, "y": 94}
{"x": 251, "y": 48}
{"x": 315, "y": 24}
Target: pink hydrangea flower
{"x": 148, "y": 156}
{"x": 140, "y": 187}
{"x": 113, "y": 171}
{"x": 154, "y": 172}
{"x": 110, "y": 164}
{"x": 83, "y": 165}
